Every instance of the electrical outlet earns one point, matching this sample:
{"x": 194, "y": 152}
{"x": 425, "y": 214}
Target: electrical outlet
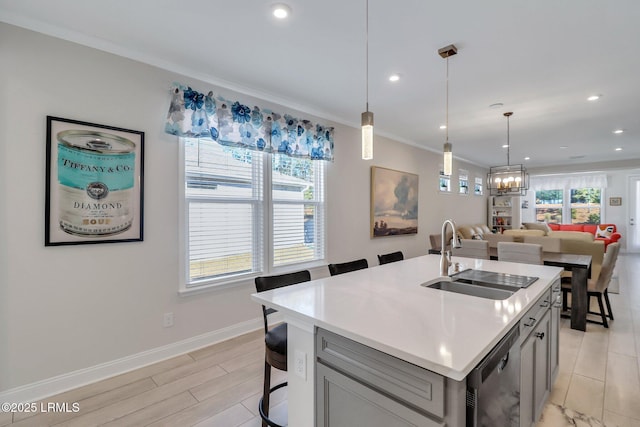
{"x": 300, "y": 364}
{"x": 168, "y": 320}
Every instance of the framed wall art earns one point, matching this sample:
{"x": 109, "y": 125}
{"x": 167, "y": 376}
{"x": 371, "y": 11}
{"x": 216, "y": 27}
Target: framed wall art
{"x": 94, "y": 183}
{"x": 394, "y": 202}
{"x": 615, "y": 201}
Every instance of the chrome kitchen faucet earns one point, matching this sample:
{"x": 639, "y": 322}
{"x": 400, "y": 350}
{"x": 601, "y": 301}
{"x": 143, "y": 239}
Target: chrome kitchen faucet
{"x": 445, "y": 256}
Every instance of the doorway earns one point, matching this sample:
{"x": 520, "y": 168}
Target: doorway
{"x": 633, "y": 243}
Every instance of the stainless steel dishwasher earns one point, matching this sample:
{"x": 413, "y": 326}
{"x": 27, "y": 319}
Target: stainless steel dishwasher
{"x": 493, "y": 387}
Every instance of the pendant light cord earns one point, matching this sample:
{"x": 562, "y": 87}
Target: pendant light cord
{"x": 447, "y": 103}
{"x": 508, "y": 142}
{"x": 367, "y": 55}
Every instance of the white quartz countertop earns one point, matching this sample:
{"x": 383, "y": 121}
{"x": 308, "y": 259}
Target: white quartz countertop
{"x": 385, "y": 307}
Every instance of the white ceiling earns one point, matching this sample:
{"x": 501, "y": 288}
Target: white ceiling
{"x": 540, "y": 58}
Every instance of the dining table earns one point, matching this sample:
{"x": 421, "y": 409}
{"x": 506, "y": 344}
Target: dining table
{"x": 580, "y": 268}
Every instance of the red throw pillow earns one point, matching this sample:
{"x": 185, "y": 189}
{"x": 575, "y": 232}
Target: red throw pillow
{"x": 571, "y": 227}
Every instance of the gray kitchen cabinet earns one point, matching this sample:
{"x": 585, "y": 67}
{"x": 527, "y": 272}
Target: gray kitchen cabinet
{"x": 527, "y": 363}
{"x": 535, "y": 376}
{"x": 554, "y": 339}
{"x": 358, "y": 385}
{"x": 542, "y": 380}
{"x": 343, "y": 401}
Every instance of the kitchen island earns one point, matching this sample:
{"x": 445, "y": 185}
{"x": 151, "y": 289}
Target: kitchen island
{"x": 385, "y": 308}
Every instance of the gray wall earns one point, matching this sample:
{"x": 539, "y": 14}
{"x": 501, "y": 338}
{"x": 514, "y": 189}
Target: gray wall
{"x": 99, "y": 308}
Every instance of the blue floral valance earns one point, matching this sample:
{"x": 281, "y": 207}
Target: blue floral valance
{"x": 196, "y": 115}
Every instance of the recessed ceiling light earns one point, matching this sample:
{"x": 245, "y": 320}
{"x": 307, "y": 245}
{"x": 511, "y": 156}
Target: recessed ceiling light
{"x": 443, "y": 126}
{"x": 564, "y": 147}
{"x": 496, "y": 105}
{"x": 618, "y": 131}
{"x": 527, "y": 158}
{"x": 618, "y": 148}
{"x": 505, "y": 146}
{"x": 281, "y": 10}
{"x": 394, "y": 77}
{"x": 594, "y": 97}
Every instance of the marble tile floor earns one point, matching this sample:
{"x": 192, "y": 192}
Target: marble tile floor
{"x": 599, "y": 376}
{"x": 559, "y": 416}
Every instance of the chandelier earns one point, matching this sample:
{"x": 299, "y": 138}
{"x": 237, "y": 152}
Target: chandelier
{"x": 508, "y": 179}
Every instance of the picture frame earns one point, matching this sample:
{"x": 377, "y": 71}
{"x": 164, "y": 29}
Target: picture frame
{"x": 394, "y": 202}
{"x": 615, "y": 201}
{"x": 94, "y": 183}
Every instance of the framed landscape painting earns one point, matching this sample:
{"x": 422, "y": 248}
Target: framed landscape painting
{"x": 394, "y": 202}
{"x": 94, "y": 184}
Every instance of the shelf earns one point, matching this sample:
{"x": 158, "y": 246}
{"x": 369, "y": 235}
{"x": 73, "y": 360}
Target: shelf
{"x": 503, "y": 212}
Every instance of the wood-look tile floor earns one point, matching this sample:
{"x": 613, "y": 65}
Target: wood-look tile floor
{"x": 220, "y": 385}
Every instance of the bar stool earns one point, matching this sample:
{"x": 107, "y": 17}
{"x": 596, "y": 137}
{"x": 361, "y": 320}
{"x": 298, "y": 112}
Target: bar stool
{"x": 346, "y": 267}
{"x": 392, "y": 257}
{"x": 275, "y": 339}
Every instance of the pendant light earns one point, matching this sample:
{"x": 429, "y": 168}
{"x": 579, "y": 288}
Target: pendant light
{"x": 508, "y": 179}
{"x": 367, "y": 116}
{"x": 446, "y": 52}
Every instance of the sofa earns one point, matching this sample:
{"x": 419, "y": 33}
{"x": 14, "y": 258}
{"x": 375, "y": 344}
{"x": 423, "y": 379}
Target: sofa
{"x": 608, "y": 233}
{"x": 467, "y": 231}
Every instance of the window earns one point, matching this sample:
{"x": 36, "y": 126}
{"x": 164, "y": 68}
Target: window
{"x": 298, "y": 210}
{"x": 463, "y": 181}
{"x": 478, "y": 188}
{"x": 583, "y": 206}
{"x": 549, "y": 206}
{"x": 248, "y": 213}
{"x": 445, "y": 181}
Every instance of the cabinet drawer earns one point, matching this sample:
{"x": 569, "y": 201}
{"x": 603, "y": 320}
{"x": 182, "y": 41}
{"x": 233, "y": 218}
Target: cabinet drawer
{"x": 343, "y": 401}
{"x": 535, "y": 314}
{"x": 405, "y": 382}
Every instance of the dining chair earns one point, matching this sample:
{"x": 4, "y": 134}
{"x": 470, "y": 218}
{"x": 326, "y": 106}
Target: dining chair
{"x": 346, "y": 267}
{"x": 549, "y": 244}
{"x": 598, "y": 288}
{"x": 275, "y": 338}
{"x": 391, "y": 257}
{"x": 471, "y": 248}
{"x": 528, "y": 253}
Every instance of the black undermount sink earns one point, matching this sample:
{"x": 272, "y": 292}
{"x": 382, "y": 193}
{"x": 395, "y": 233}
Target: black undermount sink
{"x": 477, "y": 289}
{"x": 491, "y": 277}
{"x": 483, "y": 284}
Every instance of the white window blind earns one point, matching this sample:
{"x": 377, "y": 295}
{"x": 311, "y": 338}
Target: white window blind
{"x": 224, "y": 197}
{"x": 298, "y": 210}
{"x": 231, "y": 202}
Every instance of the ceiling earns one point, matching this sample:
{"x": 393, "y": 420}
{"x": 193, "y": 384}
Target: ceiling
{"x": 541, "y": 59}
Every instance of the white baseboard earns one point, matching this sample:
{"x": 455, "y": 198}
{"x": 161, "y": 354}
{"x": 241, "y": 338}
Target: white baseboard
{"x": 61, "y": 383}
